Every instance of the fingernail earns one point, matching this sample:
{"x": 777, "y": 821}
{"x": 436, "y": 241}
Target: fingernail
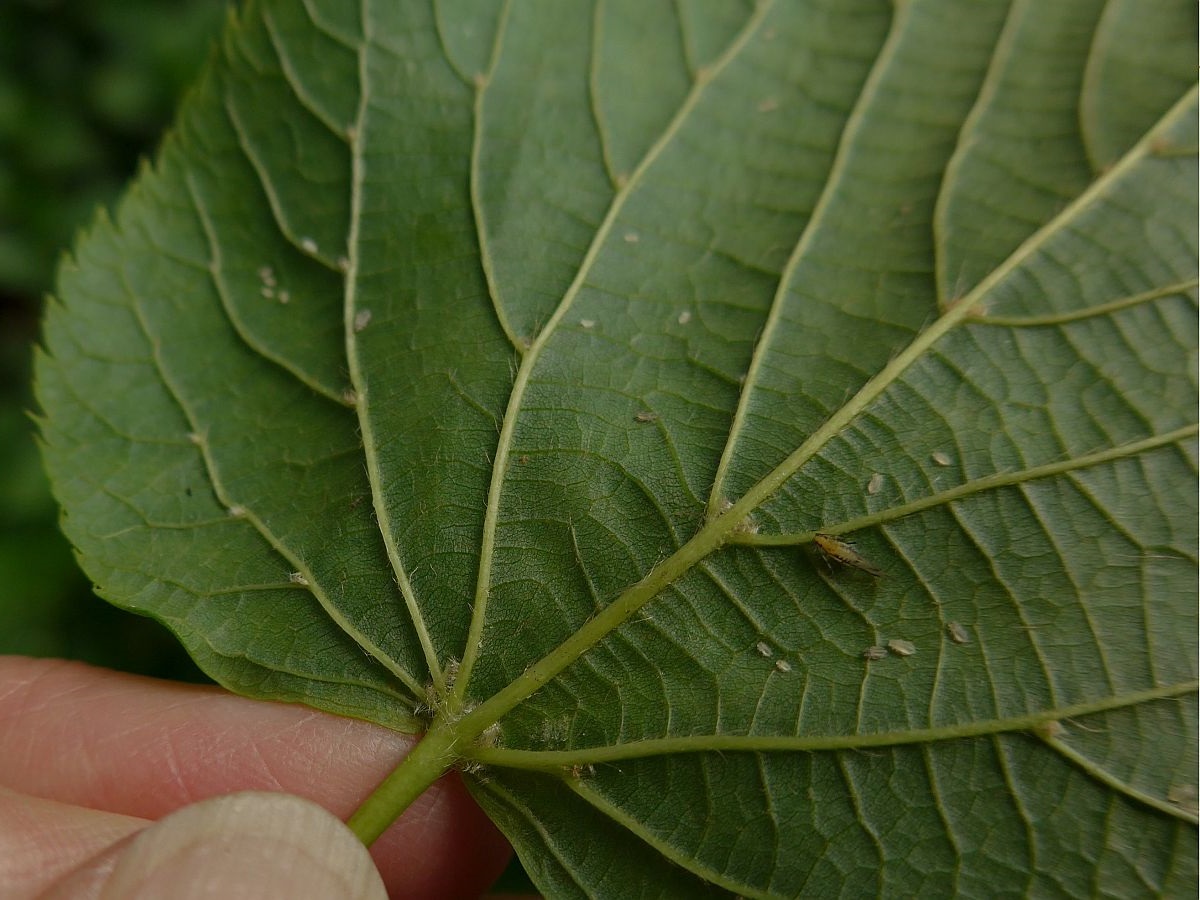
{"x": 243, "y": 846}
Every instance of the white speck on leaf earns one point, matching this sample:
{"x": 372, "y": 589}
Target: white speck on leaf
{"x": 941, "y": 459}
{"x": 362, "y": 319}
{"x": 631, "y": 237}
{"x": 901, "y": 647}
{"x": 875, "y": 483}
{"x": 764, "y": 649}
{"x": 309, "y": 246}
{"x": 298, "y": 578}
{"x": 782, "y": 665}
{"x": 874, "y": 653}
{"x": 684, "y": 317}
{"x": 587, "y": 323}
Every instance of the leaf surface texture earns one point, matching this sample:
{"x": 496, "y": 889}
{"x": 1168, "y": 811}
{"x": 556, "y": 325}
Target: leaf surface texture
{"x": 505, "y": 359}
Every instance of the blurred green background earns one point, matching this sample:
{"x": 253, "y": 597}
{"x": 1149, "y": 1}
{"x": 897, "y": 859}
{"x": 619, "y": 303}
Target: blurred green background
{"x": 86, "y": 89}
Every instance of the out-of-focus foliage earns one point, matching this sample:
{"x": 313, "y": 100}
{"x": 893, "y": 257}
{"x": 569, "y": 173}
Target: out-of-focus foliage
{"x": 85, "y": 91}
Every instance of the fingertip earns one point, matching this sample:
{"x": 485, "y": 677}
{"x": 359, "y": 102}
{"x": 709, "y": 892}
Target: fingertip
{"x": 240, "y": 846}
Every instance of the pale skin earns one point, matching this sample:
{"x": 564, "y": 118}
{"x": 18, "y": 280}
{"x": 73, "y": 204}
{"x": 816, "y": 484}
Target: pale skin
{"x": 90, "y": 758}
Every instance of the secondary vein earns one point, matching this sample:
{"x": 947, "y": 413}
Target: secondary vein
{"x": 485, "y": 256}
{"x": 529, "y": 361}
{"x": 979, "y": 485}
{"x": 668, "y": 851}
{"x": 219, "y": 489}
{"x": 231, "y": 312}
{"x": 358, "y": 379}
{"x": 836, "y": 173}
{"x": 1108, "y": 779}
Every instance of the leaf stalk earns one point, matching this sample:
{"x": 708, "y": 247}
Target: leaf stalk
{"x": 432, "y": 756}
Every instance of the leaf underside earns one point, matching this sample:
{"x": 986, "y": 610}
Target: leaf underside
{"x": 504, "y": 360}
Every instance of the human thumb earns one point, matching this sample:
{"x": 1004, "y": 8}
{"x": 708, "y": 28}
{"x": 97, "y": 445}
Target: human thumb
{"x": 243, "y": 846}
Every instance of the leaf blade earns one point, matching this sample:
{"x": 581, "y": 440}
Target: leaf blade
{"x": 586, "y": 538}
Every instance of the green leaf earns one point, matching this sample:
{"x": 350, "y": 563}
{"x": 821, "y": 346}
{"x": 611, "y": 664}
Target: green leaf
{"x": 491, "y": 369}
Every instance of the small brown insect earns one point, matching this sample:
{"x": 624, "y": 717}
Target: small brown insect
{"x": 843, "y": 552}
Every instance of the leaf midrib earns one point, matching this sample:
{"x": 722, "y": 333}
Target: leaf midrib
{"x": 719, "y": 530}
{"x": 560, "y": 760}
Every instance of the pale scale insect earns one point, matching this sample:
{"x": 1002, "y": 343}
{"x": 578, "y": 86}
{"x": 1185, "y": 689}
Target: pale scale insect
{"x": 958, "y": 633}
{"x": 901, "y": 647}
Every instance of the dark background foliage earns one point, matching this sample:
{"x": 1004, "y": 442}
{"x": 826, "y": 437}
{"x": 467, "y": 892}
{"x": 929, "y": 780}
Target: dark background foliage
{"x": 86, "y": 90}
